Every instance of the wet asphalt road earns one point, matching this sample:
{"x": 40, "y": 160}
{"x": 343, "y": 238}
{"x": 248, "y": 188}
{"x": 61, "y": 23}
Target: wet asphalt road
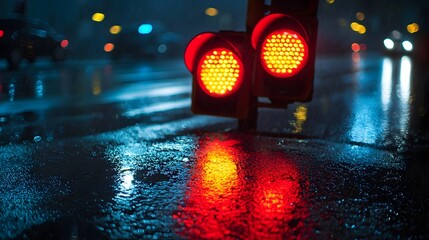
{"x": 104, "y": 150}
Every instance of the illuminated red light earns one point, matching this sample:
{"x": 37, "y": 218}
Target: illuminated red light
{"x": 284, "y": 53}
{"x": 220, "y": 72}
{"x": 64, "y": 43}
{"x": 1, "y": 33}
{"x": 355, "y": 47}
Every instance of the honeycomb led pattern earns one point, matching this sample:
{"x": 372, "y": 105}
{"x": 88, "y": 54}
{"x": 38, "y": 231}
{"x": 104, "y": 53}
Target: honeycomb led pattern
{"x": 284, "y": 53}
{"x": 220, "y": 72}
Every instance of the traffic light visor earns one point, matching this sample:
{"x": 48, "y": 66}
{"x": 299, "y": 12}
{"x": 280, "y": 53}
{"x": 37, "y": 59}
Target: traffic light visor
{"x": 194, "y": 47}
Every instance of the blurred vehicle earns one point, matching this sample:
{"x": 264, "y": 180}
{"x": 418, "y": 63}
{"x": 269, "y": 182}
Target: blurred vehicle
{"x": 148, "y": 41}
{"x": 23, "y": 38}
{"x": 396, "y": 44}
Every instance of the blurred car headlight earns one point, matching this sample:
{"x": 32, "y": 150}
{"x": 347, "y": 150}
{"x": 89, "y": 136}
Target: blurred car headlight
{"x": 388, "y": 43}
{"x": 407, "y": 45}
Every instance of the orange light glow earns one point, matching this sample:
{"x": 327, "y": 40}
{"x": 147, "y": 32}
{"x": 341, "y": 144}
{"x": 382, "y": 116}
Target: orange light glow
{"x": 108, "y": 47}
{"x": 211, "y": 12}
{"x": 220, "y": 72}
{"x": 115, "y": 29}
{"x": 359, "y": 28}
{"x": 360, "y": 16}
{"x": 284, "y": 53}
{"x": 413, "y": 28}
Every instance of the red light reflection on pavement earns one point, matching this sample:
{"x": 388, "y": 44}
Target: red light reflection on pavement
{"x": 233, "y": 194}
{"x": 213, "y": 202}
{"x": 277, "y": 208}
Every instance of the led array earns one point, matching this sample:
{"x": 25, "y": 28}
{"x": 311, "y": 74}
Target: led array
{"x": 220, "y": 72}
{"x": 284, "y": 53}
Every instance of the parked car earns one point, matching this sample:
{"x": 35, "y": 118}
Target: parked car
{"x": 23, "y": 38}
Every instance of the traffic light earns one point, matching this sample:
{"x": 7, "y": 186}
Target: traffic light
{"x": 285, "y": 46}
{"x": 220, "y": 64}
{"x": 274, "y": 58}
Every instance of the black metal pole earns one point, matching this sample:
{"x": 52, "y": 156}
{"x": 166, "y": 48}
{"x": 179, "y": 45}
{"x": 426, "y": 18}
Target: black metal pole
{"x": 256, "y": 10}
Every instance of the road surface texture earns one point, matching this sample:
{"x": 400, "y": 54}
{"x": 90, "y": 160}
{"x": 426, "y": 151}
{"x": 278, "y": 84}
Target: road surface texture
{"x": 110, "y": 150}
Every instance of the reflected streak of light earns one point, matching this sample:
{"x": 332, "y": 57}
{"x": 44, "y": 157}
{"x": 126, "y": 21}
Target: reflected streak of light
{"x": 219, "y": 172}
{"x": 39, "y": 88}
{"x": 386, "y": 83}
{"x": 277, "y": 198}
{"x": 404, "y": 91}
{"x": 160, "y": 107}
{"x": 300, "y": 116}
{"x": 212, "y": 202}
{"x": 96, "y": 84}
{"x": 364, "y": 128}
{"x": 126, "y": 181}
{"x": 11, "y": 92}
{"x": 405, "y": 79}
{"x": 158, "y": 92}
{"x": 356, "y": 65}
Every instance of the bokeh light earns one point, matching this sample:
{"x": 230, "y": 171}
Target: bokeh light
{"x": 108, "y": 47}
{"x": 98, "y": 17}
{"x": 413, "y": 27}
{"x": 357, "y": 27}
{"x": 407, "y": 45}
{"x": 360, "y": 16}
{"x": 388, "y": 43}
{"x": 355, "y": 47}
{"x": 115, "y": 29}
{"x": 145, "y": 28}
{"x": 64, "y": 43}
{"x": 212, "y": 12}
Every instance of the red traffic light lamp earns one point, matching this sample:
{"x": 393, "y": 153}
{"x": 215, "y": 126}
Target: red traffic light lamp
{"x": 285, "y": 56}
{"x": 219, "y": 63}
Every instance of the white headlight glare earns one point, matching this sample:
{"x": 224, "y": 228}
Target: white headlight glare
{"x": 388, "y": 43}
{"x": 407, "y": 45}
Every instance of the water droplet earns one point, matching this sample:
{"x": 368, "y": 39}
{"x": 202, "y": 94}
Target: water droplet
{"x": 37, "y": 138}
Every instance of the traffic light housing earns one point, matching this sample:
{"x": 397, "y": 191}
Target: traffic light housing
{"x": 220, "y": 64}
{"x": 285, "y": 47}
{"x": 274, "y": 58}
